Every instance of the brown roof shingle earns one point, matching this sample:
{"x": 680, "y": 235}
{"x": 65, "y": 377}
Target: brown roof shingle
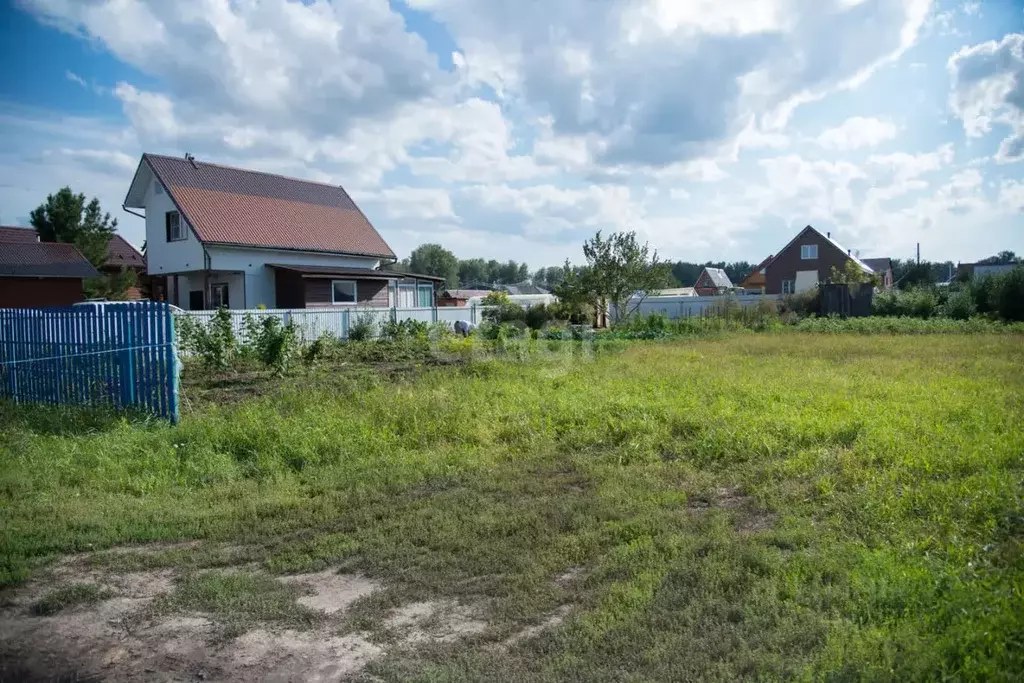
{"x": 44, "y": 259}
{"x": 121, "y": 253}
{"x": 228, "y": 205}
{"x": 11, "y": 233}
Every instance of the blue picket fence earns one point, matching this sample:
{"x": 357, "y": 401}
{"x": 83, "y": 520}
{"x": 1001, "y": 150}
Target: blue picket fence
{"x": 119, "y": 354}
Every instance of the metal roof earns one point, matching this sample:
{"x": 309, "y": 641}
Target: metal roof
{"x": 366, "y": 273}
{"x": 466, "y": 293}
{"x": 44, "y": 259}
{"x": 226, "y": 205}
{"x": 878, "y": 265}
{"x": 719, "y": 277}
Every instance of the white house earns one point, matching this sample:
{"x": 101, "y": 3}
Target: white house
{"x": 231, "y": 237}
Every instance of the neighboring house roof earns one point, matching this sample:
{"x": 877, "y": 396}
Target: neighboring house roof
{"x": 121, "y": 253}
{"x": 677, "y": 291}
{"x": 367, "y": 273}
{"x": 718, "y": 277}
{"x": 878, "y": 265}
{"x": 226, "y": 205}
{"x": 12, "y": 233}
{"x": 757, "y": 270}
{"x": 44, "y": 259}
{"x": 524, "y": 289}
{"x": 465, "y": 293}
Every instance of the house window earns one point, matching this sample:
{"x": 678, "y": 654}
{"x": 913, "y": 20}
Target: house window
{"x": 219, "y": 296}
{"x": 426, "y": 296}
{"x": 788, "y": 286}
{"x": 175, "y": 229}
{"x": 808, "y": 251}
{"x": 343, "y": 291}
{"x": 407, "y": 296}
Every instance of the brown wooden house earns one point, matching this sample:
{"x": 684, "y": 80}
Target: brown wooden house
{"x": 806, "y": 261}
{"x": 712, "y": 281}
{"x": 42, "y": 274}
{"x": 754, "y": 282}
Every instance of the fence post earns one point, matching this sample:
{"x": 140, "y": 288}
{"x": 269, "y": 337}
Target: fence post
{"x": 433, "y": 312}
{"x": 171, "y": 349}
{"x": 127, "y": 358}
{"x": 344, "y": 324}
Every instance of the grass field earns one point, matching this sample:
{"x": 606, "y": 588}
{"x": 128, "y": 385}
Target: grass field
{"x": 787, "y": 506}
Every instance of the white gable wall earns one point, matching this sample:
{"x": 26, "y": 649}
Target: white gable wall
{"x": 163, "y": 257}
{"x": 259, "y": 282}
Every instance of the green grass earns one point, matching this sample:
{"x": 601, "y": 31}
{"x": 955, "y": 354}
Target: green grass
{"x": 782, "y": 506}
{"x": 72, "y": 595}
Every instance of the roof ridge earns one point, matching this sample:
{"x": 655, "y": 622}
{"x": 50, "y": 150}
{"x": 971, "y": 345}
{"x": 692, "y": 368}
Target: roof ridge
{"x": 250, "y": 170}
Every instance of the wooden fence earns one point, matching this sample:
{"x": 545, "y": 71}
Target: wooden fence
{"x": 119, "y": 354}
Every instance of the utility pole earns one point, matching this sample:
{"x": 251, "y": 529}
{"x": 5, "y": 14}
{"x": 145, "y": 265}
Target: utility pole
{"x": 919, "y": 253}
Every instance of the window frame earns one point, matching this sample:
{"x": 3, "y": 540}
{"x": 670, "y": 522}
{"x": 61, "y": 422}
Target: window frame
{"x": 226, "y": 300}
{"x": 807, "y": 255}
{"x": 182, "y": 234}
{"x": 355, "y": 293}
{"x": 789, "y": 286}
{"x": 420, "y": 287}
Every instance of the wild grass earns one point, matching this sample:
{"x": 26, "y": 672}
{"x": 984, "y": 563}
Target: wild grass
{"x": 782, "y": 506}
{"x": 66, "y": 597}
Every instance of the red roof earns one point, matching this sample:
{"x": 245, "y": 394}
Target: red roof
{"x": 121, "y": 253}
{"x": 11, "y": 233}
{"x": 226, "y": 205}
{"x": 44, "y": 259}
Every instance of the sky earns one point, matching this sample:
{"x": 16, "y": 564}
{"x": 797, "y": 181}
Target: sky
{"x": 515, "y": 129}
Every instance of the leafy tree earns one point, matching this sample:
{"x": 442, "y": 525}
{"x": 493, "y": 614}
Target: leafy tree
{"x": 65, "y": 217}
{"x": 617, "y": 268}
{"x": 548, "y": 277}
{"x": 474, "y": 272}
{"x": 851, "y": 274}
{"x": 1002, "y": 257}
{"x": 433, "y": 259}
{"x": 686, "y": 273}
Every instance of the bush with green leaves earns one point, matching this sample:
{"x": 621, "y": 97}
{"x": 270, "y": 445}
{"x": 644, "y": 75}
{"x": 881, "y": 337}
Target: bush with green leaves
{"x": 501, "y": 309}
{"x": 363, "y": 329}
{"x": 959, "y": 305}
{"x": 276, "y": 343}
{"x": 537, "y": 316}
{"x": 404, "y": 329}
{"x": 1007, "y": 295}
{"x": 802, "y": 304}
{"x": 919, "y": 302}
{"x": 214, "y": 343}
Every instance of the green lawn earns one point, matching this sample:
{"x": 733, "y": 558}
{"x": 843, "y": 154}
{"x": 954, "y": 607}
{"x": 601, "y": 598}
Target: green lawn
{"x": 771, "y": 506}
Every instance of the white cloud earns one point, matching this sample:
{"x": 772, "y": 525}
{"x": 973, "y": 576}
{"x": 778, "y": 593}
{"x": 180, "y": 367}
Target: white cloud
{"x": 988, "y": 88}
{"x": 75, "y": 78}
{"x": 856, "y": 132}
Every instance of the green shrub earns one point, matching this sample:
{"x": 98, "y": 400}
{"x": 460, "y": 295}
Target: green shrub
{"x": 537, "y": 316}
{"x": 363, "y": 328}
{"x": 920, "y": 302}
{"x": 959, "y": 305}
{"x": 404, "y": 329}
{"x": 1007, "y": 295}
{"x": 276, "y": 343}
{"x": 500, "y": 309}
{"x": 215, "y": 343}
{"x": 802, "y": 304}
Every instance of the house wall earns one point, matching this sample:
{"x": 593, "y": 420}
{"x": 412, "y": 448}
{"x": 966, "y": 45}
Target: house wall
{"x": 163, "y": 257}
{"x": 188, "y": 282}
{"x": 369, "y": 293}
{"x": 705, "y": 286}
{"x": 39, "y": 292}
{"x": 260, "y": 280}
{"x": 788, "y": 262}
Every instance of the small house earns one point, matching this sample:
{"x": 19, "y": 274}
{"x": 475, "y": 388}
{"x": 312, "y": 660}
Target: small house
{"x": 806, "y": 261}
{"x": 42, "y": 274}
{"x": 712, "y": 281}
{"x": 460, "y": 297}
{"x": 754, "y": 282}
{"x": 883, "y": 269}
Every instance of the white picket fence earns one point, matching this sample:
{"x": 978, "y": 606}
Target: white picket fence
{"x": 696, "y": 306}
{"x": 313, "y": 322}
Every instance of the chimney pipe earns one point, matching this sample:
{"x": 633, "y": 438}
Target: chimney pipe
{"x": 828, "y": 234}
{"x": 847, "y": 252}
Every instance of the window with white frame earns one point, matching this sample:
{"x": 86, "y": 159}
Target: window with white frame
{"x": 343, "y": 291}
{"x": 175, "y": 228}
{"x": 788, "y": 286}
{"x": 808, "y": 251}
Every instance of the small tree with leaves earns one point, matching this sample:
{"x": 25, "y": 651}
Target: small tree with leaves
{"x": 620, "y": 267}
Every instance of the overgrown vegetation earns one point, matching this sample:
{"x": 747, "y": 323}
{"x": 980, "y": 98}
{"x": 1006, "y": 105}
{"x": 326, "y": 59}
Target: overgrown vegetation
{"x": 776, "y": 506}
{"x": 999, "y": 296}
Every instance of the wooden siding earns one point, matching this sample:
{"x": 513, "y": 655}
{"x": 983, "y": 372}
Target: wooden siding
{"x": 372, "y": 293}
{"x": 39, "y": 292}
{"x": 788, "y": 261}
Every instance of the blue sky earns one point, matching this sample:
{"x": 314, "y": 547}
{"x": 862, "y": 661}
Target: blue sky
{"x": 517, "y": 128}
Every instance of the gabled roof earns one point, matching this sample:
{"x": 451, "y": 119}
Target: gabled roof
{"x": 44, "y": 259}
{"x": 523, "y": 290}
{"x": 121, "y": 253}
{"x": 878, "y": 265}
{"x": 758, "y": 269}
{"x": 717, "y": 276}
{"x": 234, "y": 206}
{"x": 13, "y": 233}
{"x": 828, "y": 238}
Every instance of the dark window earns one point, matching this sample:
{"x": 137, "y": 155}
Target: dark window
{"x": 175, "y": 228}
{"x": 343, "y": 291}
{"x": 219, "y": 296}
{"x": 195, "y": 300}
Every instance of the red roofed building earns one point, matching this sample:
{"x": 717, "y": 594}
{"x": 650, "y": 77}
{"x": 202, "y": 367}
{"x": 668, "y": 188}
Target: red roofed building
{"x": 40, "y": 274}
{"x": 226, "y": 236}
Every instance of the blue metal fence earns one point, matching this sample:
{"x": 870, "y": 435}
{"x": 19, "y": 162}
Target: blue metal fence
{"x": 120, "y": 354}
